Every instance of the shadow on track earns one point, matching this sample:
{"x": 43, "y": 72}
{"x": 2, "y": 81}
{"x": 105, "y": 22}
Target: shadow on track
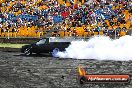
{"x": 50, "y": 55}
{"x": 35, "y": 55}
{"x": 43, "y": 55}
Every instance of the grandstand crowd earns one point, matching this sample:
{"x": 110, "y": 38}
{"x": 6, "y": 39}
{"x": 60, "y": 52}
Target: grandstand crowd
{"x": 84, "y": 18}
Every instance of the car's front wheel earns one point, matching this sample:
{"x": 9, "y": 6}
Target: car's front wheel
{"x": 28, "y": 51}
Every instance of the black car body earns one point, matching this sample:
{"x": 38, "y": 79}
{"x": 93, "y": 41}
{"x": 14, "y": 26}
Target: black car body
{"x": 44, "y": 46}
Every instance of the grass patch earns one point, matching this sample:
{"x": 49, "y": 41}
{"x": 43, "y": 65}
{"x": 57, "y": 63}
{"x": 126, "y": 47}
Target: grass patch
{"x": 11, "y": 45}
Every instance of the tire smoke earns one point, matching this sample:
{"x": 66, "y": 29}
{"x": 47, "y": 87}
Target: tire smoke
{"x": 100, "y": 48}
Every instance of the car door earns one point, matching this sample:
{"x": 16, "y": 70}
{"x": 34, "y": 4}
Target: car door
{"x": 48, "y": 47}
{"x": 43, "y": 46}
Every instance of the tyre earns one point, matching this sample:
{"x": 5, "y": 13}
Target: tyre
{"x": 27, "y": 51}
{"x": 55, "y": 51}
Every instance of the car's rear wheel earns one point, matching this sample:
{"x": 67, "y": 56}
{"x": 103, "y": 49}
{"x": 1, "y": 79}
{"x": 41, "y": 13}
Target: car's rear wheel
{"x": 28, "y": 51}
{"x": 55, "y": 51}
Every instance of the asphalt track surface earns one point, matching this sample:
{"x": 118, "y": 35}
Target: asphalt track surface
{"x": 44, "y": 71}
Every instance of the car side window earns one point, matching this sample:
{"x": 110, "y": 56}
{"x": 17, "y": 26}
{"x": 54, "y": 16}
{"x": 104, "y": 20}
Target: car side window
{"x": 41, "y": 42}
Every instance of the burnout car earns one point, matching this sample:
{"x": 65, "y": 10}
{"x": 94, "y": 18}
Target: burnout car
{"x": 45, "y": 46}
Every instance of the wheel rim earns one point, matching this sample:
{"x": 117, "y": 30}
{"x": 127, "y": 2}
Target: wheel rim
{"x": 27, "y": 51}
{"x": 55, "y": 51}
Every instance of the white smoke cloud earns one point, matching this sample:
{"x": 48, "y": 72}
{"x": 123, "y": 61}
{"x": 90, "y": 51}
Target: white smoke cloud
{"x": 101, "y": 48}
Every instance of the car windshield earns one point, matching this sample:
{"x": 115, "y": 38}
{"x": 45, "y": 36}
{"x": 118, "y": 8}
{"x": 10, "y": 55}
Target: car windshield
{"x": 41, "y": 42}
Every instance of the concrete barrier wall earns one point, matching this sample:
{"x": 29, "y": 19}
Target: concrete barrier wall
{"x": 19, "y": 40}
{"x": 6, "y": 49}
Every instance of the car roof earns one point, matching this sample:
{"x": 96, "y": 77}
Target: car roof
{"x": 65, "y": 39}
